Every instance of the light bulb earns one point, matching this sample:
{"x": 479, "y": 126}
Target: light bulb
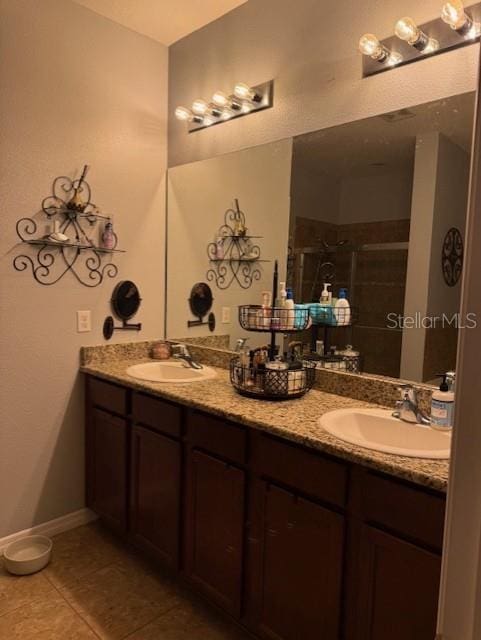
{"x": 181, "y": 113}
{"x": 406, "y": 29}
{"x": 453, "y": 14}
{"x": 369, "y": 45}
{"x": 199, "y": 107}
{"x": 220, "y": 99}
{"x": 244, "y": 92}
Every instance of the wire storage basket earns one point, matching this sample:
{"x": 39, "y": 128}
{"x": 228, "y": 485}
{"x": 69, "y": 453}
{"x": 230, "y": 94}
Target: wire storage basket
{"x": 254, "y": 317}
{"x": 272, "y": 384}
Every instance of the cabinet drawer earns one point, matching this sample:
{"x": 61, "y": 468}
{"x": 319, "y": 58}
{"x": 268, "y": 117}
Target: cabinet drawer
{"x": 107, "y": 395}
{"x": 217, "y": 436}
{"x": 410, "y": 511}
{"x": 308, "y": 472}
{"x": 156, "y": 414}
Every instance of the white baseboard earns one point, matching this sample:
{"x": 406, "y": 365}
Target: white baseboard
{"x": 52, "y": 527}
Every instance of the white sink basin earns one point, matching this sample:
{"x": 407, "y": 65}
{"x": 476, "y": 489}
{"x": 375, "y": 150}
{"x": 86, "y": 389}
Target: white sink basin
{"x": 377, "y": 429}
{"x": 170, "y": 371}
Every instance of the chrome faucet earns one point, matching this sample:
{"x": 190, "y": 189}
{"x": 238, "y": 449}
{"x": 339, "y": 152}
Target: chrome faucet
{"x": 181, "y": 352}
{"x": 407, "y": 408}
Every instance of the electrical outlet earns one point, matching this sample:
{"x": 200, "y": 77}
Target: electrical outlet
{"x": 225, "y": 315}
{"x": 84, "y": 321}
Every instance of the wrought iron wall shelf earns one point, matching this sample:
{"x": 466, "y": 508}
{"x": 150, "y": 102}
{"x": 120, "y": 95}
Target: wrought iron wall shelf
{"x": 234, "y": 255}
{"x": 69, "y": 208}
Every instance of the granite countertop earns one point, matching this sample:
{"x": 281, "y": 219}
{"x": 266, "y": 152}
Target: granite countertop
{"x": 295, "y": 420}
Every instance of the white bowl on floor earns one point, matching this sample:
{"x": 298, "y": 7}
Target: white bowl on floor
{"x": 27, "y": 555}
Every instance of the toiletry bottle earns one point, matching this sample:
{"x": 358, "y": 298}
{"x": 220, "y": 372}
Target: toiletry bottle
{"x": 442, "y": 404}
{"x": 266, "y": 309}
{"x": 290, "y": 310}
{"x": 342, "y": 309}
{"x": 326, "y": 295}
{"x": 108, "y": 237}
{"x": 281, "y": 305}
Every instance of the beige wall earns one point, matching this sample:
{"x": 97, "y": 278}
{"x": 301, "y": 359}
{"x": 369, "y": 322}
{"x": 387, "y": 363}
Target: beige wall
{"x": 199, "y": 194}
{"x": 310, "y": 49}
{"x": 75, "y": 88}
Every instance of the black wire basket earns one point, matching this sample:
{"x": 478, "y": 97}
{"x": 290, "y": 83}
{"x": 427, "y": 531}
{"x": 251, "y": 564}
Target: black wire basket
{"x": 254, "y": 317}
{"x": 272, "y": 384}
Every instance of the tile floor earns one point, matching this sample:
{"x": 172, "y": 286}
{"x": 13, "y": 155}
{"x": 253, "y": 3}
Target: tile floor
{"x": 95, "y": 587}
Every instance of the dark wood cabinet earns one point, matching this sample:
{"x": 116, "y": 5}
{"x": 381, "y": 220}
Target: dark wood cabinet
{"x": 106, "y": 440}
{"x": 290, "y": 541}
{"x": 398, "y": 589}
{"x": 155, "y": 493}
{"x": 295, "y": 566}
{"x": 214, "y": 528}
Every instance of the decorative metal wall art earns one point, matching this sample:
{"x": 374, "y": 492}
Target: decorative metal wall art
{"x": 234, "y": 255}
{"x": 75, "y": 219}
{"x": 452, "y": 256}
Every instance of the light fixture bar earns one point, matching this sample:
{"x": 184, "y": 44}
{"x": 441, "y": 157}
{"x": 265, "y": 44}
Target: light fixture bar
{"x": 222, "y": 107}
{"x": 457, "y": 26}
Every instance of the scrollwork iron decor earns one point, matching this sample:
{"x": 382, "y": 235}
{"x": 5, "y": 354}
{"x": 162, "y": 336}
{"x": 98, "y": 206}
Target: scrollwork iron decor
{"x": 234, "y": 255}
{"x": 452, "y": 256}
{"x": 69, "y": 208}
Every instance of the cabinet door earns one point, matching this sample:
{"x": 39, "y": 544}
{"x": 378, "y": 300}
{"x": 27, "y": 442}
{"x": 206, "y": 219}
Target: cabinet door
{"x": 295, "y": 566}
{"x": 398, "y": 589}
{"x": 107, "y": 467}
{"x": 155, "y": 493}
{"x": 214, "y": 529}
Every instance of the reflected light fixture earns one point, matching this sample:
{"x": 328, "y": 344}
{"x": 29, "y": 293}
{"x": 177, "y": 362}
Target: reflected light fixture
{"x": 406, "y": 29}
{"x": 370, "y": 46}
{"x": 455, "y": 16}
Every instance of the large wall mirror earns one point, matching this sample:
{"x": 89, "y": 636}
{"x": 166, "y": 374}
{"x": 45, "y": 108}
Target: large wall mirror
{"x": 377, "y": 207}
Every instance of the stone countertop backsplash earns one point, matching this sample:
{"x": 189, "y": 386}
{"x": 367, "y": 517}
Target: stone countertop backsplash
{"x": 295, "y": 420}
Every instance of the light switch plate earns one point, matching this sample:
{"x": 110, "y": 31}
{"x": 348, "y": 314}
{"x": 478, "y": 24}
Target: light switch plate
{"x": 225, "y": 315}
{"x": 84, "y": 321}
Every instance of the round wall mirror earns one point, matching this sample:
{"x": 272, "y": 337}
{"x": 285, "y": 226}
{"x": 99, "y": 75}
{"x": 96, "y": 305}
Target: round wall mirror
{"x": 126, "y": 300}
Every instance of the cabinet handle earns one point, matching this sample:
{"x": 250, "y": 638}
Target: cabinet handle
{"x": 272, "y": 532}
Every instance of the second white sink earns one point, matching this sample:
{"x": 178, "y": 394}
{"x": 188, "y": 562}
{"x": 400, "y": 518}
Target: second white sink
{"x": 377, "y": 429}
{"x": 170, "y": 371}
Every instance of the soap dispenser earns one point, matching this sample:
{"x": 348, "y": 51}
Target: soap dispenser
{"x": 442, "y": 404}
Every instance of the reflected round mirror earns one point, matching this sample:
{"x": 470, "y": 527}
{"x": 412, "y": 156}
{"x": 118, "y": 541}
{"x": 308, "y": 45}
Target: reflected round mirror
{"x": 200, "y": 299}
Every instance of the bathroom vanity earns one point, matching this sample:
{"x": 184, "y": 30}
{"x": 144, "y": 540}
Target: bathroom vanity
{"x": 290, "y": 531}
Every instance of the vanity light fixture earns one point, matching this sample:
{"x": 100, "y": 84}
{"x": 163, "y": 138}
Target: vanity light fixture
{"x": 412, "y": 42}
{"x": 406, "y": 29}
{"x": 455, "y": 16}
{"x": 370, "y": 46}
{"x": 222, "y": 107}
